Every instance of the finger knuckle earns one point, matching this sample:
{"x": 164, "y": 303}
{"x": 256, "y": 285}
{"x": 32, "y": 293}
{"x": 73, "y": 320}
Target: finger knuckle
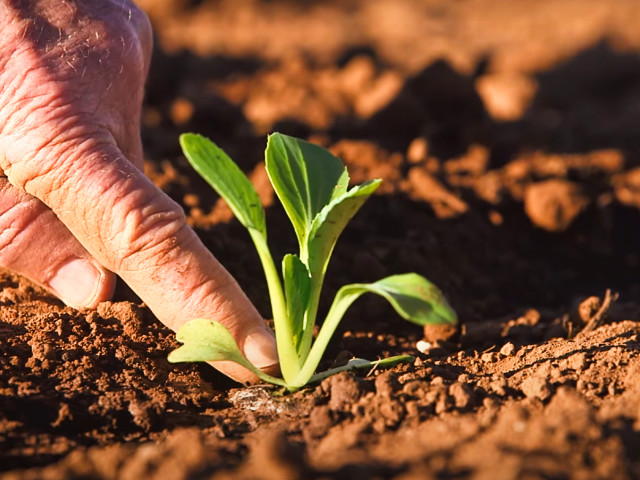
{"x": 148, "y": 233}
{"x": 46, "y": 167}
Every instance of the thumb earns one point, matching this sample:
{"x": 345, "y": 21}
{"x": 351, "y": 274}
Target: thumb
{"x": 135, "y": 230}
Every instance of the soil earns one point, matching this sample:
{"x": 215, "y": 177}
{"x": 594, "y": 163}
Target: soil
{"x": 507, "y": 136}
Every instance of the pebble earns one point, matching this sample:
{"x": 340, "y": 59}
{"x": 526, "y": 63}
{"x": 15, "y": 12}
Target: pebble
{"x": 414, "y": 387}
{"x": 423, "y": 346}
{"x": 461, "y": 395}
{"x": 507, "y": 349}
{"x": 418, "y": 150}
{"x": 554, "y": 204}
{"x": 489, "y": 357}
{"x": 577, "y": 362}
{"x": 498, "y": 386}
{"x": 536, "y": 387}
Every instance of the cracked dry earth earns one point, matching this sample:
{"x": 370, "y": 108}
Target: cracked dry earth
{"x": 507, "y": 137}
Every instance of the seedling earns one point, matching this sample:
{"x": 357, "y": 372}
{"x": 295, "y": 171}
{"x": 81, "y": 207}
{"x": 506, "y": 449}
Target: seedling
{"x": 312, "y": 186}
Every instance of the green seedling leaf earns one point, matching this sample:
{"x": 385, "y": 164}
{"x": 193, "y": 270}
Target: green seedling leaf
{"x": 209, "y": 341}
{"x": 305, "y": 177}
{"x": 297, "y": 287}
{"x": 414, "y": 297}
{"x": 206, "y": 341}
{"x": 215, "y": 166}
{"x": 331, "y": 221}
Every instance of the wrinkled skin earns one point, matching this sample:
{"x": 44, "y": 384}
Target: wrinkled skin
{"x": 75, "y": 207}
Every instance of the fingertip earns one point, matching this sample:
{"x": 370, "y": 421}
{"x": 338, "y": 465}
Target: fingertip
{"x": 105, "y": 287}
{"x": 260, "y": 348}
{"x": 81, "y": 283}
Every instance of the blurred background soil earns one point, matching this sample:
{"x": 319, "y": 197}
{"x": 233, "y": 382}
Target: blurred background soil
{"x": 506, "y": 133}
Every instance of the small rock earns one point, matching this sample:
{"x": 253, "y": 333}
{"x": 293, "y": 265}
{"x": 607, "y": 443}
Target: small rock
{"x": 490, "y": 403}
{"x": 489, "y": 357}
{"x": 42, "y": 350}
{"x": 536, "y": 387}
{"x": 439, "y": 333}
{"x": 357, "y": 75}
{"x": 425, "y": 187}
{"x": 181, "y": 111}
{"x": 413, "y": 410}
{"x": 320, "y": 421}
{"x": 140, "y": 414}
{"x": 507, "y": 349}
{"x": 385, "y": 384}
{"x": 443, "y": 404}
{"x": 461, "y": 394}
{"x": 423, "y": 347}
{"x": 588, "y": 308}
{"x": 499, "y": 386}
{"x": 554, "y": 204}
{"x": 506, "y": 96}
{"x": 343, "y": 390}
{"x": 392, "y": 411}
{"x": 577, "y": 362}
{"x": 415, "y": 387}
{"x": 418, "y": 150}
{"x": 379, "y": 94}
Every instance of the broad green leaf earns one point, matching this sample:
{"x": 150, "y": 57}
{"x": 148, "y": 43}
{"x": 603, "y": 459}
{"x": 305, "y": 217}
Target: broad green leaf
{"x": 305, "y": 177}
{"x": 414, "y": 298}
{"x": 215, "y": 166}
{"x": 331, "y": 221}
{"x": 297, "y": 287}
{"x": 206, "y": 341}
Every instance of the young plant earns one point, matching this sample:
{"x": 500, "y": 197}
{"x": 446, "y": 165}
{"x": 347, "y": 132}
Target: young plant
{"x": 312, "y": 186}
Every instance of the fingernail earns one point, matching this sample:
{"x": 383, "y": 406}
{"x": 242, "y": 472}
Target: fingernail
{"x": 260, "y": 349}
{"x": 76, "y": 283}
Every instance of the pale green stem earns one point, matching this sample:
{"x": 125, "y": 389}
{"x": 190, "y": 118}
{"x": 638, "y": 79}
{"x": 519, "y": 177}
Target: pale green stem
{"x": 354, "y": 364}
{"x": 289, "y": 363}
{"x": 331, "y": 322}
{"x": 269, "y": 379}
{"x": 241, "y": 359}
{"x": 311, "y": 311}
{"x": 310, "y": 315}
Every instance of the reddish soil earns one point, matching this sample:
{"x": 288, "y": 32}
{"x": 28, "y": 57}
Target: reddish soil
{"x": 507, "y": 135}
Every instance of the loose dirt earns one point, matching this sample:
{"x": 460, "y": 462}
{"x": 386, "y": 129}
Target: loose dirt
{"x": 507, "y": 136}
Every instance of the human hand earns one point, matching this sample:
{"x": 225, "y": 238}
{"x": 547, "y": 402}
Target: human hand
{"x": 74, "y": 203}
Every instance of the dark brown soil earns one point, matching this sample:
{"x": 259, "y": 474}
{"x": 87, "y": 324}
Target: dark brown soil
{"x": 507, "y": 134}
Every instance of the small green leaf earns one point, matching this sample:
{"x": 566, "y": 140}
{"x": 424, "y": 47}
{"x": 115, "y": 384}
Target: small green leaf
{"x": 297, "y": 287}
{"x": 215, "y": 166}
{"x": 414, "y": 298}
{"x": 331, "y": 221}
{"x": 305, "y": 177}
{"x": 206, "y": 341}
{"x": 209, "y": 341}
